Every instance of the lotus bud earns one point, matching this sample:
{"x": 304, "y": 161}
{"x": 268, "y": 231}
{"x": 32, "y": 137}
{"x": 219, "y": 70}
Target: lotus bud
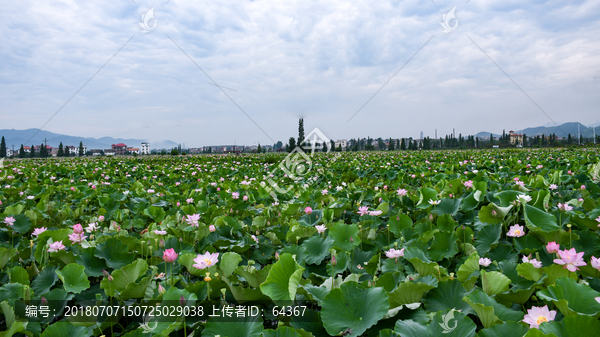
{"x": 161, "y": 289}
{"x": 44, "y": 301}
{"x": 162, "y": 243}
{"x": 351, "y": 240}
{"x": 494, "y": 213}
{"x": 182, "y": 300}
{"x": 180, "y": 239}
{"x": 277, "y": 256}
{"x": 333, "y": 260}
{"x": 27, "y": 295}
{"x": 105, "y": 273}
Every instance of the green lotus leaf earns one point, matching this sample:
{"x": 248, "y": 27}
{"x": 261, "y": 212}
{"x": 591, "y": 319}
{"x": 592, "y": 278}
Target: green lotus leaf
{"x": 446, "y": 206}
{"x": 489, "y": 311}
{"x": 468, "y": 272}
{"x": 398, "y": 223}
{"x": 93, "y": 265}
{"x": 283, "y": 331}
{"x": 493, "y": 214}
{"x": 580, "y": 326}
{"x": 342, "y": 233}
{"x": 352, "y": 309}
{"x": 426, "y": 194}
{"x": 249, "y": 326}
{"x": 443, "y": 246}
{"x": 114, "y": 252}
{"x": 283, "y": 279}
{"x": 486, "y": 237}
{"x": 18, "y": 274}
{"x": 408, "y": 293}
{"x": 317, "y": 249}
{"x": 448, "y": 295}
{"x": 45, "y": 280}
{"x": 229, "y": 261}
{"x": 503, "y": 330}
{"x": 73, "y": 278}
{"x": 61, "y": 329}
{"x": 6, "y": 254}
{"x": 538, "y": 219}
{"x": 572, "y": 298}
{"x": 494, "y": 282}
{"x": 528, "y": 271}
{"x": 22, "y": 224}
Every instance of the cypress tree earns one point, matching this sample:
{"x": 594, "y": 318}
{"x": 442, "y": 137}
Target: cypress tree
{"x": 81, "y": 149}
{"x": 61, "y": 151}
{"x": 22, "y": 152}
{"x": 3, "y": 148}
{"x": 402, "y": 145}
{"x": 300, "y": 131}
{"x": 32, "y": 152}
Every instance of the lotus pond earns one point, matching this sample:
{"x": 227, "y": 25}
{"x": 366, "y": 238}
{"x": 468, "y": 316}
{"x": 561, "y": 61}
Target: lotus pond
{"x": 455, "y": 243}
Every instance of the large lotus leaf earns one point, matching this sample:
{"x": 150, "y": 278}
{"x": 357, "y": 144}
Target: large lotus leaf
{"x": 283, "y": 331}
{"x": 135, "y": 290}
{"x": 426, "y": 194}
{"x": 252, "y": 276}
{"x": 342, "y": 233}
{"x": 446, "y": 206}
{"x": 588, "y": 242}
{"x": 317, "y": 249}
{"x": 22, "y": 224}
{"x": 443, "y": 246}
{"x": 5, "y": 255}
{"x": 486, "y": 237}
{"x": 572, "y": 298}
{"x": 249, "y": 326}
{"x": 74, "y": 278}
{"x": 114, "y": 252}
{"x": 527, "y": 244}
{"x": 504, "y": 330}
{"x": 493, "y": 214}
{"x": 536, "y": 218}
{"x": 407, "y": 293}
{"x": 398, "y": 223}
{"x": 481, "y": 303}
{"x": 580, "y": 326}
{"x": 423, "y": 265}
{"x": 283, "y": 279}
{"x": 55, "y": 235}
{"x": 128, "y": 274}
{"x": 62, "y": 329}
{"x": 471, "y": 201}
{"x": 528, "y": 271}
{"x": 494, "y": 282}
{"x": 18, "y": 274}
{"x": 93, "y": 265}
{"x": 445, "y": 323}
{"x": 229, "y": 261}
{"x": 468, "y": 272}
{"x": 507, "y": 197}
{"x": 353, "y": 309}
{"x": 448, "y": 295}
{"x": 45, "y": 280}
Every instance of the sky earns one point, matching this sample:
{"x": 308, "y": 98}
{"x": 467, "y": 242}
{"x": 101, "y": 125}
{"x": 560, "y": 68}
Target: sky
{"x": 349, "y": 68}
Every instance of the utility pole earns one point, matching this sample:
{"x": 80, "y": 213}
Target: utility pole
{"x": 594, "y": 126}
{"x": 578, "y": 135}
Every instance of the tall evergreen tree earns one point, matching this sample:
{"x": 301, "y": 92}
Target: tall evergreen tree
{"x": 32, "y": 152}
{"x": 402, "y": 145}
{"x": 300, "y": 131}
{"x": 22, "y": 152}
{"x": 3, "y": 148}
{"x": 491, "y": 138}
{"x": 391, "y": 144}
{"x": 81, "y": 149}
{"x": 292, "y": 144}
{"x": 258, "y": 149}
{"x": 331, "y": 145}
{"x": 61, "y": 151}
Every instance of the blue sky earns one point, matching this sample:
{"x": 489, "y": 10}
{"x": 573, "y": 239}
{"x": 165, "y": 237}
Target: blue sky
{"x": 320, "y": 60}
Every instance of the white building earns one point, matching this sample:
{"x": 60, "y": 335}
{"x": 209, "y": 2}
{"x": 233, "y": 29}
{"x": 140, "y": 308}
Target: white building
{"x": 341, "y": 142}
{"x": 145, "y": 148}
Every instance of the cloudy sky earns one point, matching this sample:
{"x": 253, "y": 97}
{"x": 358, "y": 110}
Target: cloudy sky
{"x": 282, "y": 60}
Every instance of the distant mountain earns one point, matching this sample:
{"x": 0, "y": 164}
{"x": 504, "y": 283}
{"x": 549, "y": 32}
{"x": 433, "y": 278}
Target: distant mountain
{"x": 18, "y": 137}
{"x": 561, "y": 131}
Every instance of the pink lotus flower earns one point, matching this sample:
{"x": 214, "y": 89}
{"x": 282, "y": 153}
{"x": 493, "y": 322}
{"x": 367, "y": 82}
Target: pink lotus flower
{"x": 402, "y": 192}
{"x": 534, "y": 262}
{"x": 235, "y": 195}
{"x": 375, "y": 213}
{"x": 158, "y": 232}
{"x": 178, "y": 204}
{"x": 193, "y": 219}
{"x": 516, "y": 231}
{"x": 212, "y": 228}
{"x": 564, "y": 207}
{"x": 583, "y": 187}
{"x": 363, "y": 210}
{"x": 206, "y": 260}
{"x": 55, "y": 247}
{"x": 484, "y": 261}
{"x": 320, "y": 228}
{"x": 308, "y": 210}
{"x": 101, "y": 218}
{"x": 570, "y": 259}
{"x": 323, "y": 192}
{"x": 552, "y": 247}
{"x": 254, "y": 238}
{"x": 169, "y": 255}
{"x": 38, "y": 231}
{"x": 468, "y": 184}
{"x": 189, "y": 201}
{"x": 595, "y": 262}
{"x": 553, "y": 186}
{"x": 538, "y": 315}
{"x": 9, "y": 220}
{"x": 77, "y": 237}
{"x": 245, "y": 198}
{"x": 77, "y": 228}
{"x": 394, "y": 253}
